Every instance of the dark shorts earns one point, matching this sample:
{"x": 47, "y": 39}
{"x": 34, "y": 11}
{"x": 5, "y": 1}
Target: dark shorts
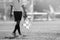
{"x": 17, "y": 15}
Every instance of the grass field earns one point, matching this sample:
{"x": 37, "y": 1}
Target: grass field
{"x": 41, "y": 30}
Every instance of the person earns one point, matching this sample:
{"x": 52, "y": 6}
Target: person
{"x": 17, "y": 15}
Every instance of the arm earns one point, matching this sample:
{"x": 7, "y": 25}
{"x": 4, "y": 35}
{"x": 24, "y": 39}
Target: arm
{"x": 24, "y": 12}
{"x": 11, "y": 9}
{"x": 24, "y": 9}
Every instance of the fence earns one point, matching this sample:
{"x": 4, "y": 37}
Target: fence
{"x": 45, "y": 16}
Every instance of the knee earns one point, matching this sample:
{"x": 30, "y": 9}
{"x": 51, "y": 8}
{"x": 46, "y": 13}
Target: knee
{"x": 18, "y": 22}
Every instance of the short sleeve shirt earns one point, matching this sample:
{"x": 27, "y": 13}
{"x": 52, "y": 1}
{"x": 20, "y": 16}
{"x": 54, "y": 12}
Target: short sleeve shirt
{"x": 17, "y": 5}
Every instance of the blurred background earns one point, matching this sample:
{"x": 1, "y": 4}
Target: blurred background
{"x": 40, "y": 5}
{"x": 32, "y": 6}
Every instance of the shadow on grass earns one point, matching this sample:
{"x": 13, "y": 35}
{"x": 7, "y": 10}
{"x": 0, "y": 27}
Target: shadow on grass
{"x": 14, "y": 37}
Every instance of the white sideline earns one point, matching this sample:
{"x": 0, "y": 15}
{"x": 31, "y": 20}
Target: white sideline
{"x": 6, "y": 22}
